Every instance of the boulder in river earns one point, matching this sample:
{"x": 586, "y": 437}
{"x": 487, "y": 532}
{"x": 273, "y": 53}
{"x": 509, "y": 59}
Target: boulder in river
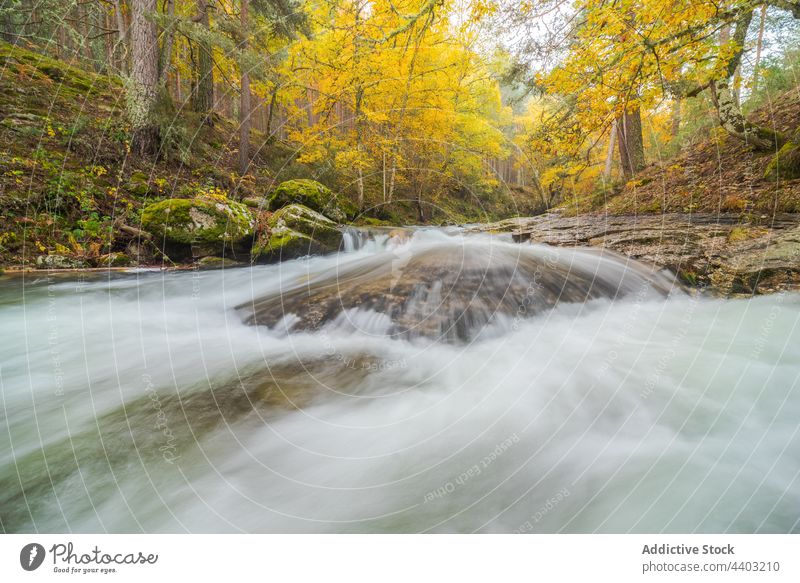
{"x": 450, "y": 289}
{"x": 295, "y": 231}
{"x": 205, "y": 225}
{"x": 313, "y": 195}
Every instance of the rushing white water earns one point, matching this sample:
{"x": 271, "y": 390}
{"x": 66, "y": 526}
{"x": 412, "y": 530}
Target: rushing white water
{"x": 145, "y": 402}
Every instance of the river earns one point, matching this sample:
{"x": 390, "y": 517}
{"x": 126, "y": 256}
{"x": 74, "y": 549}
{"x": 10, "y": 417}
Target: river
{"x": 421, "y": 381}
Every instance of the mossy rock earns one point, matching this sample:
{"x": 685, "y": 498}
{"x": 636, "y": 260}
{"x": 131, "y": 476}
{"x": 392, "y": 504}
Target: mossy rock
{"x": 295, "y": 231}
{"x": 209, "y": 263}
{"x": 313, "y": 195}
{"x": 253, "y": 202}
{"x": 138, "y": 184}
{"x": 58, "y": 262}
{"x": 209, "y": 225}
{"x": 373, "y": 222}
{"x": 113, "y": 260}
{"x": 785, "y": 165}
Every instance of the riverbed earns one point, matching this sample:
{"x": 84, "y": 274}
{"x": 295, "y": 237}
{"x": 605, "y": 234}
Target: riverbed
{"x": 501, "y": 402}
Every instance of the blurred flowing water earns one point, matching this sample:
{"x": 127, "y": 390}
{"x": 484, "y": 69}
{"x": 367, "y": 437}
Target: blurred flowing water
{"x": 420, "y": 380}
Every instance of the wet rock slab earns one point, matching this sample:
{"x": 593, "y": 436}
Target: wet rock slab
{"x": 726, "y": 254}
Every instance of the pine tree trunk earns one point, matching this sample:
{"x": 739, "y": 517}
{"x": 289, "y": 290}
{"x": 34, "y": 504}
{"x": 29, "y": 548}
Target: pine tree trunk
{"x": 122, "y": 37}
{"x": 108, "y": 42}
{"x": 204, "y": 88}
{"x": 244, "y": 106}
{"x": 86, "y": 45}
{"x": 143, "y": 87}
{"x": 167, "y": 45}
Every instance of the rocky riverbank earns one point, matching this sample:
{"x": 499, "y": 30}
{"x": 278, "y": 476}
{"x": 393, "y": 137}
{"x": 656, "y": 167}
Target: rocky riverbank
{"x": 725, "y": 254}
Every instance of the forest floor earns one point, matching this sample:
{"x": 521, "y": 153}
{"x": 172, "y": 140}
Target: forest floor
{"x": 717, "y": 174}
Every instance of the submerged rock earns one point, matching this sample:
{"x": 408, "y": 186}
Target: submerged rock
{"x": 313, "y": 195}
{"x": 295, "y": 231}
{"x": 206, "y": 225}
{"x": 451, "y": 291}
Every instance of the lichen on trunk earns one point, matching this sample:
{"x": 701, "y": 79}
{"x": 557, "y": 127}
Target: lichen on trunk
{"x": 728, "y": 111}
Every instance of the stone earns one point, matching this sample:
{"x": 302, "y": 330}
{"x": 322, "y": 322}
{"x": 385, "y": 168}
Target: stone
{"x": 208, "y": 224}
{"x": 313, "y": 195}
{"x": 719, "y": 253}
{"x": 113, "y": 260}
{"x": 58, "y": 262}
{"x": 295, "y": 231}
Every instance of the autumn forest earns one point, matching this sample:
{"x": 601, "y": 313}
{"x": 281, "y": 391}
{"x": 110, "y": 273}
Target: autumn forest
{"x": 411, "y": 111}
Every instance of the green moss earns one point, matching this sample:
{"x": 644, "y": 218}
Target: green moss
{"x": 373, "y": 222}
{"x": 199, "y": 221}
{"x": 739, "y": 234}
{"x": 313, "y": 195}
{"x": 72, "y": 81}
{"x": 294, "y": 231}
{"x": 688, "y": 277}
{"x": 207, "y": 263}
{"x": 785, "y": 164}
{"x": 113, "y": 260}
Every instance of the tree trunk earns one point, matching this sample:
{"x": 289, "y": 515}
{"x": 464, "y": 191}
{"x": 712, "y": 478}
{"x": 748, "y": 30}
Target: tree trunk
{"x": 165, "y": 60}
{"x": 420, "y": 207}
{"x": 730, "y": 115}
{"x": 244, "y": 106}
{"x": 392, "y": 176}
{"x": 143, "y": 87}
{"x": 630, "y": 142}
{"x": 272, "y": 101}
{"x": 759, "y": 47}
{"x": 676, "y": 119}
{"x": 359, "y": 94}
{"x": 108, "y": 42}
{"x": 86, "y": 44}
{"x": 204, "y": 87}
{"x": 612, "y": 142}
{"x": 122, "y": 36}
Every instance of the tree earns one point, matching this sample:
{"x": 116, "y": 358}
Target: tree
{"x": 143, "y": 85}
{"x": 401, "y": 105}
{"x": 244, "y": 106}
{"x": 725, "y": 101}
{"x": 203, "y": 94}
{"x": 759, "y": 47}
{"x": 629, "y": 142}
